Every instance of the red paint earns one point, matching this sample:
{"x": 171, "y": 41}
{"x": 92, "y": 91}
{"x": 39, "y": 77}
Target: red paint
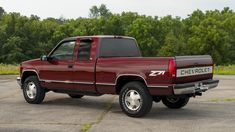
{"x": 102, "y": 73}
{"x": 172, "y": 68}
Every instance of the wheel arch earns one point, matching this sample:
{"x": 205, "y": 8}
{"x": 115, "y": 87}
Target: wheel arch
{"x": 124, "y": 79}
{"x": 27, "y": 73}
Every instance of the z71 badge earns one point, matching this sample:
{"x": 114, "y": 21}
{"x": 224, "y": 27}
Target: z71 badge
{"x": 156, "y": 73}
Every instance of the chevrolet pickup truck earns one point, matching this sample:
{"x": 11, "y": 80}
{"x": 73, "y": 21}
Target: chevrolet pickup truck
{"x": 97, "y": 65}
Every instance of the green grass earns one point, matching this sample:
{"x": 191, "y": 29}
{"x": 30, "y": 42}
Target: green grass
{"x": 225, "y": 70}
{"x": 85, "y": 127}
{"x": 6, "y": 69}
{"x": 222, "y": 100}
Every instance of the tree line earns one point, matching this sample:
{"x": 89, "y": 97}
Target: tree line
{"x": 211, "y": 32}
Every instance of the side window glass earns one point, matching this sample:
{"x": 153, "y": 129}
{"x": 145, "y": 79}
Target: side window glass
{"x": 64, "y": 51}
{"x": 84, "y": 50}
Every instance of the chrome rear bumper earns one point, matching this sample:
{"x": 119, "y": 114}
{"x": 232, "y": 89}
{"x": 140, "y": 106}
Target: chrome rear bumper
{"x": 195, "y": 87}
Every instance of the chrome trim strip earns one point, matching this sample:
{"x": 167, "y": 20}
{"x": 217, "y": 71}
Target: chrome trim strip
{"x": 67, "y": 81}
{"x": 181, "y": 59}
{"x": 108, "y": 84}
{"x": 56, "y": 81}
{"x": 90, "y": 83}
{"x": 158, "y": 86}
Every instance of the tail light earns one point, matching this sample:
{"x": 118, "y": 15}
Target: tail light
{"x": 171, "y": 68}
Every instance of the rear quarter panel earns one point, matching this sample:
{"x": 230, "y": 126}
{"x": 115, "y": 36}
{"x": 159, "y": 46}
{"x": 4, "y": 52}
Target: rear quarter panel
{"x": 108, "y": 70}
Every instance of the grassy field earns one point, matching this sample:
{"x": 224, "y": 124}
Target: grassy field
{"x": 6, "y": 69}
{"x": 225, "y": 70}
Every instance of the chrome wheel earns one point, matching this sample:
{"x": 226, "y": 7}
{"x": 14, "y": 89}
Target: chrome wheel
{"x": 31, "y": 90}
{"x": 173, "y": 99}
{"x": 133, "y": 100}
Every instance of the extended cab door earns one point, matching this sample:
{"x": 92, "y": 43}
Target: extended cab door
{"x": 84, "y": 67}
{"x": 57, "y": 71}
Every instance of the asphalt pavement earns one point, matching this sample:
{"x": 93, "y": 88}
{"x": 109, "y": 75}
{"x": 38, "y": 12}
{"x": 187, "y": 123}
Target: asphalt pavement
{"x": 212, "y": 112}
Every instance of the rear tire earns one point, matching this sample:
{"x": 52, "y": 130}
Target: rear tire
{"x": 175, "y": 102}
{"x": 32, "y": 91}
{"x": 135, "y": 100}
{"x": 76, "y": 96}
{"x": 156, "y": 99}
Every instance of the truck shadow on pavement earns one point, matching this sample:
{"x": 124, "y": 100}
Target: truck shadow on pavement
{"x": 178, "y": 114}
{"x": 88, "y": 103}
{"x": 192, "y": 111}
{"x": 160, "y": 112}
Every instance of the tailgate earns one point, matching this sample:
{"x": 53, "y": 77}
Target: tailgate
{"x": 193, "y": 68}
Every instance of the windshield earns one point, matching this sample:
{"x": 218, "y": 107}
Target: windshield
{"x": 119, "y": 47}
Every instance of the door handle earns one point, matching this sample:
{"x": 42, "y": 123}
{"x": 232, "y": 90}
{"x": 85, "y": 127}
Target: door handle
{"x": 70, "y": 66}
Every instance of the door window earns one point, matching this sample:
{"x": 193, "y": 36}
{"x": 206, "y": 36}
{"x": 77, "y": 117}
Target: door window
{"x": 64, "y": 51}
{"x": 84, "y": 50}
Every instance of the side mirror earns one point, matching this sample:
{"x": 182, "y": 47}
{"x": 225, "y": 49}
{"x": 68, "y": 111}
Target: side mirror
{"x": 44, "y": 58}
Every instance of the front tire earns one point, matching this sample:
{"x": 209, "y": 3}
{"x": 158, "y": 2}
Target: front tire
{"x": 32, "y": 91}
{"x": 175, "y": 102}
{"x": 135, "y": 100}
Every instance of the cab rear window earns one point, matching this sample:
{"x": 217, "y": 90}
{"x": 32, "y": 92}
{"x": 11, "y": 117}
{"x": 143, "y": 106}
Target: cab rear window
{"x": 118, "y": 47}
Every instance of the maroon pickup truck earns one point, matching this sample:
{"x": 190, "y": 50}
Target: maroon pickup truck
{"x": 97, "y": 65}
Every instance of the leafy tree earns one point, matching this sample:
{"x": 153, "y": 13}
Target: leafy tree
{"x": 144, "y": 31}
{"x": 102, "y": 10}
{"x": 11, "y": 50}
{"x": 94, "y": 12}
{"x": 210, "y": 32}
{"x": 172, "y": 46}
{"x": 1, "y": 11}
